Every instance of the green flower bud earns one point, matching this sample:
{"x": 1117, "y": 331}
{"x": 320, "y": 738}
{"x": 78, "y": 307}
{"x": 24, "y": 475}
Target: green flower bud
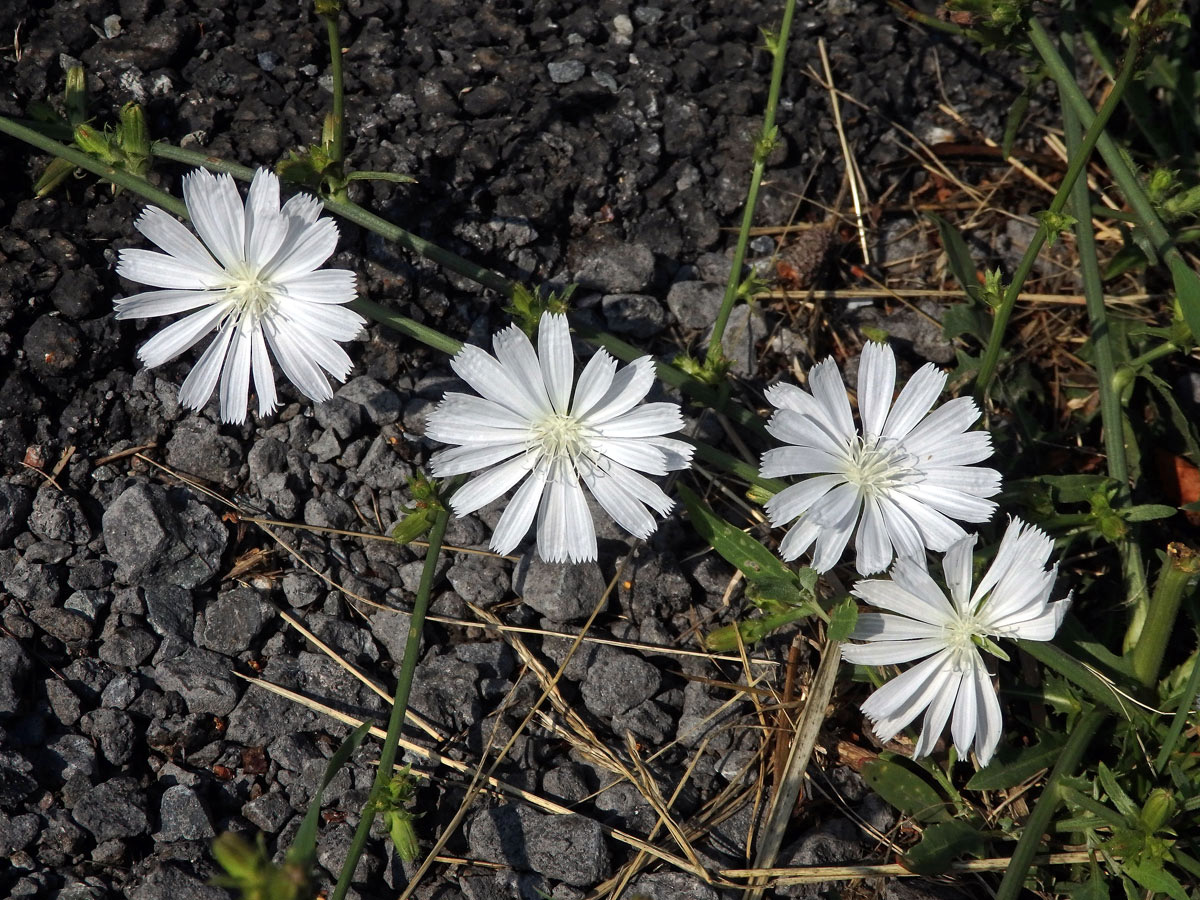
{"x": 1158, "y": 811}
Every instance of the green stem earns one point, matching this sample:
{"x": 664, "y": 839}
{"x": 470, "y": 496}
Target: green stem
{"x": 762, "y": 149}
{"x": 1153, "y": 354}
{"x": 1091, "y": 139}
{"x": 1181, "y": 566}
{"x": 430, "y": 337}
{"x": 1183, "y": 712}
{"x": 116, "y": 176}
{"x": 1112, "y": 416}
{"x": 337, "y": 147}
{"x": 1039, "y": 820}
{"x": 387, "y": 756}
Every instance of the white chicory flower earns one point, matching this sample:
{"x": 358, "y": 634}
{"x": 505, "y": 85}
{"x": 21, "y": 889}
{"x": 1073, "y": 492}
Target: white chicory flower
{"x": 901, "y": 481}
{"x": 254, "y": 280}
{"x": 529, "y": 427}
{"x": 1011, "y": 601}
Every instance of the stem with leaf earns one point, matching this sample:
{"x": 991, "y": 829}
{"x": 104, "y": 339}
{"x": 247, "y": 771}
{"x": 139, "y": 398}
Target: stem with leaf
{"x": 337, "y": 146}
{"x": 763, "y": 145}
{"x": 1112, "y": 416}
{"x": 1181, "y": 566}
{"x": 1078, "y": 160}
{"x": 387, "y": 756}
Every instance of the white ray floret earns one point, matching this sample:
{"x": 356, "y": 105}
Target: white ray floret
{"x": 251, "y": 277}
{"x": 529, "y": 428}
{"x": 917, "y": 621}
{"x": 897, "y": 484}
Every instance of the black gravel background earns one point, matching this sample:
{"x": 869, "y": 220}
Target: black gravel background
{"x": 605, "y": 143}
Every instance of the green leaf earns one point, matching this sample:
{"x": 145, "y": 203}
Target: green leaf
{"x": 1076, "y": 488}
{"x": 739, "y": 549}
{"x": 1152, "y": 877}
{"x": 964, "y": 318}
{"x": 1010, "y": 769}
{"x": 725, "y": 638}
{"x": 962, "y": 266}
{"x": 842, "y": 619}
{"x": 901, "y": 786}
{"x": 1147, "y": 512}
{"x": 942, "y": 844}
{"x": 304, "y": 845}
{"x": 1187, "y": 290}
{"x": 1121, "y": 800}
{"x": 1095, "y": 888}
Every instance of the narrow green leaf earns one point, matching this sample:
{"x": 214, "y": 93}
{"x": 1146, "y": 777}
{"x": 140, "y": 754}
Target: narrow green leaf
{"x": 739, "y": 549}
{"x": 906, "y": 790}
{"x": 1121, "y": 800}
{"x": 1095, "y": 888}
{"x": 942, "y": 844}
{"x": 1153, "y": 877}
{"x": 842, "y": 619}
{"x": 725, "y": 638}
{"x": 962, "y": 266}
{"x": 1009, "y": 771}
{"x": 1012, "y": 123}
{"x": 1147, "y": 512}
{"x": 1187, "y": 289}
{"x": 304, "y": 845}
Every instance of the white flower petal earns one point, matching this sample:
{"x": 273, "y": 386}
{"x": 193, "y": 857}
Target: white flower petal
{"x": 337, "y": 323}
{"x": 902, "y": 530}
{"x": 841, "y": 504}
{"x": 172, "y": 236}
{"x": 216, "y": 210}
{"x": 876, "y": 382}
{"x": 915, "y": 400}
{"x": 636, "y": 454}
{"x": 873, "y": 626}
{"x": 557, "y": 361}
{"x": 235, "y": 376}
{"x": 594, "y": 382}
{"x": 163, "y": 303}
{"x": 942, "y": 428}
{"x": 647, "y": 420}
{"x": 830, "y": 392}
{"x": 179, "y": 336}
{"x": 1023, "y": 546}
{"x": 937, "y": 531}
{"x": 1042, "y": 627}
{"x": 955, "y": 504}
{"x": 566, "y": 532}
{"x": 899, "y": 701}
{"x": 782, "y": 461}
{"x": 465, "y": 419}
{"x": 886, "y": 594}
{"x": 302, "y": 251}
{"x": 806, "y": 431}
{"x": 888, "y": 653}
{"x": 678, "y": 454}
{"x": 518, "y": 515}
{"x": 990, "y": 724}
{"x": 484, "y": 373}
{"x": 832, "y": 540}
{"x": 629, "y": 387}
{"x": 620, "y": 499}
{"x": 975, "y": 480}
{"x": 793, "y": 502}
{"x": 483, "y": 489}
{"x": 470, "y": 458}
{"x": 957, "y": 567}
{"x": 520, "y": 361}
{"x": 798, "y": 539}
{"x": 162, "y": 271}
{"x": 303, "y": 207}
{"x": 264, "y": 374}
{"x": 266, "y": 227}
{"x": 296, "y": 361}
{"x": 949, "y": 697}
{"x": 200, "y": 382}
{"x": 872, "y": 545}
{"x": 789, "y": 397}
{"x": 325, "y": 286}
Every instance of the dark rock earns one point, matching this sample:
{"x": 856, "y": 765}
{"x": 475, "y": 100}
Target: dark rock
{"x": 637, "y": 314}
{"x": 15, "y": 507}
{"x": 202, "y": 678}
{"x": 121, "y": 691}
{"x": 74, "y": 292}
{"x": 57, "y": 516}
{"x": 268, "y": 812}
{"x": 157, "y": 536}
{"x": 53, "y": 346}
{"x": 18, "y": 832}
{"x": 617, "y": 681}
{"x": 833, "y": 843}
{"x": 63, "y": 702}
{"x": 113, "y": 731}
{"x": 70, "y": 755}
{"x": 233, "y": 622}
{"x": 127, "y": 646}
{"x": 168, "y": 880}
{"x": 671, "y": 885}
{"x": 16, "y": 782}
{"x": 649, "y": 720}
{"x": 745, "y": 328}
{"x": 486, "y": 100}
{"x": 381, "y": 468}
{"x": 301, "y": 589}
{"x": 112, "y": 809}
{"x": 493, "y": 659}
{"x": 65, "y": 624}
{"x": 14, "y": 665}
{"x": 478, "y": 579}
{"x": 169, "y": 610}
{"x": 341, "y": 416}
{"x": 182, "y": 816}
{"x": 561, "y": 848}
{"x": 566, "y": 71}
{"x": 34, "y": 584}
{"x": 333, "y": 848}
{"x": 198, "y": 448}
{"x": 381, "y": 404}
{"x": 261, "y": 716}
{"x": 445, "y": 692}
{"x": 390, "y": 628}
{"x": 328, "y": 511}
{"x": 88, "y": 677}
{"x": 695, "y": 304}
{"x": 614, "y": 268}
{"x": 562, "y": 593}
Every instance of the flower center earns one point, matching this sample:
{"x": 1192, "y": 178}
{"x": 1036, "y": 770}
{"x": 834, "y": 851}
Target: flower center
{"x": 963, "y": 636}
{"x": 562, "y": 438}
{"x": 252, "y": 297}
{"x": 877, "y": 465}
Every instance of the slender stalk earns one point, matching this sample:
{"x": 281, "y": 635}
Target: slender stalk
{"x": 387, "y": 755}
{"x": 762, "y": 149}
{"x": 1112, "y": 416}
{"x": 1039, "y": 820}
{"x": 1181, "y": 566}
{"x": 430, "y": 337}
{"x": 109, "y": 173}
{"x": 1093, "y": 136}
{"x": 1154, "y": 353}
{"x": 337, "y": 146}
